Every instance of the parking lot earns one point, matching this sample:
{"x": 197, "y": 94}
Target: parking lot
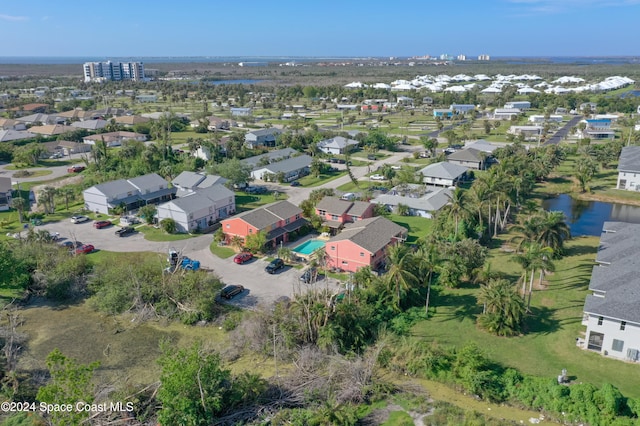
{"x": 261, "y": 287}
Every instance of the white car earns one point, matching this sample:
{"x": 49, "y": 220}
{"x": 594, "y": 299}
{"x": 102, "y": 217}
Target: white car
{"x": 396, "y": 167}
{"x": 79, "y": 219}
{"x": 377, "y": 177}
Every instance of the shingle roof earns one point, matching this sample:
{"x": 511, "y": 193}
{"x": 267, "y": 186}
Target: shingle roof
{"x": 14, "y": 135}
{"x": 338, "y": 142}
{"x": 271, "y": 155}
{"x": 617, "y": 277}
{"x": 467, "y": 154}
{"x": 334, "y": 205}
{"x": 188, "y": 179}
{"x": 431, "y": 202}
{"x": 268, "y": 131}
{"x": 152, "y": 181}
{"x": 629, "y": 159}
{"x": 371, "y": 234}
{"x": 270, "y": 214}
{"x": 288, "y": 165}
{"x": 113, "y": 188}
{"x": 443, "y": 170}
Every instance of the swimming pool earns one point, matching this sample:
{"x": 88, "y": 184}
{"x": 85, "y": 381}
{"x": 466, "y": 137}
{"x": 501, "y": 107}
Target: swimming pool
{"x": 308, "y": 247}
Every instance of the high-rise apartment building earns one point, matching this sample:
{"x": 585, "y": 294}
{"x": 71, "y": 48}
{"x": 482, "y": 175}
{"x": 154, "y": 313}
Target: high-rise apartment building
{"x": 113, "y": 71}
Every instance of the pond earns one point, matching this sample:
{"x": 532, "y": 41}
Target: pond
{"x": 587, "y": 217}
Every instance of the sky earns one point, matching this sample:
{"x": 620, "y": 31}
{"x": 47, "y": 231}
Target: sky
{"x": 328, "y": 28}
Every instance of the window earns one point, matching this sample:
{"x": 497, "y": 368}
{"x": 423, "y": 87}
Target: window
{"x": 250, "y": 231}
{"x": 286, "y": 221}
{"x": 354, "y": 218}
{"x": 322, "y": 212}
{"x": 334, "y": 217}
{"x": 344, "y": 262}
{"x": 361, "y": 254}
{"x": 623, "y": 325}
{"x": 333, "y": 247}
{"x": 600, "y": 319}
{"x": 617, "y": 345}
{"x": 228, "y": 225}
{"x": 297, "y": 216}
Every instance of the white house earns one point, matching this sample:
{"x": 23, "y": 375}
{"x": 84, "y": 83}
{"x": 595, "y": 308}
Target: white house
{"x": 462, "y": 108}
{"x": 629, "y": 169}
{"x": 443, "y": 174}
{"x": 528, "y": 132}
{"x": 262, "y": 137}
{"x": 199, "y": 210}
{"x": 114, "y": 138}
{"x": 506, "y": 113}
{"x": 597, "y": 129}
{"x": 189, "y": 182}
{"x": 292, "y": 169}
{"x": 5, "y": 193}
{"x": 553, "y": 118}
{"x": 336, "y": 145}
{"x": 421, "y": 201}
{"x": 131, "y": 193}
{"x": 521, "y": 105}
{"x": 611, "y": 312}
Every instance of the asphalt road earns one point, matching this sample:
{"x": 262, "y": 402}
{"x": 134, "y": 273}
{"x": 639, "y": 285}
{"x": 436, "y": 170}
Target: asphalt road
{"x": 564, "y": 131}
{"x": 56, "y": 171}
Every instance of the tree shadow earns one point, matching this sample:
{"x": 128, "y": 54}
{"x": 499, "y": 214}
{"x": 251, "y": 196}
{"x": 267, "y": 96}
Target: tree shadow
{"x": 581, "y": 250}
{"x": 462, "y": 306}
{"x": 540, "y": 321}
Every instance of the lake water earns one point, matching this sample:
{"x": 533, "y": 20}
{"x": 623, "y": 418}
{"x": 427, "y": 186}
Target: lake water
{"x": 587, "y": 217}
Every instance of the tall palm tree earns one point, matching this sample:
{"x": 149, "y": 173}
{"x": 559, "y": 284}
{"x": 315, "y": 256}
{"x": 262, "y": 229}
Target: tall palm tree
{"x": 47, "y": 199}
{"x": 428, "y": 260}
{"x": 540, "y": 260}
{"x": 400, "y": 275}
{"x": 20, "y": 204}
{"x": 503, "y": 310}
{"x": 456, "y": 208}
{"x": 553, "y": 231}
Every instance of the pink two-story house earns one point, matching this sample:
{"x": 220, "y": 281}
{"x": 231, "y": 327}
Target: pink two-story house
{"x": 277, "y": 220}
{"x": 363, "y": 243}
{"x": 336, "y": 212}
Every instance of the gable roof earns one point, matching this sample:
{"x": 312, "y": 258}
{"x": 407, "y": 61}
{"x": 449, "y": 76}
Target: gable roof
{"x": 113, "y": 188}
{"x": 619, "y": 280}
{"x": 271, "y": 155}
{"x": 431, "y": 202}
{"x": 371, "y": 234}
{"x": 5, "y": 185}
{"x": 188, "y": 179}
{"x": 151, "y": 181}
{"x": 265, "y": 132}
{"x": 482, "y": 145}
{"x": 338, "y": 142}
{"x": 443, "y": 170}
{"x": 267, "y": 215}
{"x": 14, "y": 135}
{"x": 629, "y": 159}
{"x": 467, "y": 154}
{"x": 90, "y": 124}
{"x": 289, "y": 165}
{"x": 337, "y": 206}
{"x": 51, "y": 129}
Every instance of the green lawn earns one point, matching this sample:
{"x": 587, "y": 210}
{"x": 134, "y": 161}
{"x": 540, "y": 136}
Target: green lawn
{"x": 251, "y": 201}
{"x": 156, "y": 234}
{"x": 222, "y": 252}
{"x": 311, "y": 181}
{"x": 418, "y": 226}
{"x": 548, "y": 344}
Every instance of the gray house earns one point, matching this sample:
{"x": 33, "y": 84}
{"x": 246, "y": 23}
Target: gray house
{"x": 262, "y": 138}
{"x": 199, "y": 210}
{"x": 337, "y": 145}
{"x": 468, "y": 157}
{"x": 131, "y": 193}
{"x": 611, "y": 312}
{"x": 292, "y": 168}
{"x": 420, "y": 201}
{"x": 443, "y": 174}
{"x": 629, "y": 169}
{"x": 270, "y": 157}
{"x": 5, "y": 193}
{"x": 189, "y": 182}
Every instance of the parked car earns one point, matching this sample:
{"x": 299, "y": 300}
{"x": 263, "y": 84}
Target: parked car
{"x": 371, "y": 157}
{"x": 243, "y": 257}
{"x": 75, "y": 169}
{"x": 102, "y": 224}
{"x": 79, "y": 219}
{"x": 122, "y": 232}
{"x": 85, "y": 249}
{"x": 449, "y": 150}
{"x": 129, "y": 220}
{"x": 71, "y": 244}
{"x": 295, "y": 183}
{"x": 274, "y": 266}
{"x": 56, "y": 156}
{"x": 231, "y": 290}
{"x": 377, "y": 177}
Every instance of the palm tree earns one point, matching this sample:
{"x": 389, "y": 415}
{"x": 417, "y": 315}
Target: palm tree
{"x": 428, "y": 260}
{"x": 553, "y": 231}
{"x": 20, "y": 204}
{"x": 236, "y": 242}
{"x": 540, "y": 260}
{"x": 47, "y": 199}
{"x": 400, "y": 274}
{"x": 456, "y": 207}
{"x": 68, "y": 194}
{"x": 503, "y": 310}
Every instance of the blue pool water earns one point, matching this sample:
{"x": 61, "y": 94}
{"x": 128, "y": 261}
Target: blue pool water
{"x": 308, "y": 247}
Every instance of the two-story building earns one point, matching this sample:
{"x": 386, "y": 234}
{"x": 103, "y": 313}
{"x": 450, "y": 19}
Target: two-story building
{"x": 363, "y": 243}
{"x": 611, "y": 312}
{"x": 262, "y": 138}
{"x": 521, "y": 105}
{"x": 420, "y": 200}
{"x": 506, "y": 113}
{"x": 199, "y": 210}
{"x": 599, "y": 128}
{"x": 114, "y": 138}
{"x": 629, "y": 169}
{"x": 290, "y": 169}
{"x": 277, "y": 220}
{"x": 443, "y": 174}
{"x": 189, "y": 182}
{"x": 337, "y": 145}
{"x": 470, "y": 158}
{"x": 130, "y": 193}
{"x": 336, "y": 212}
{"x": 5, "y": 193}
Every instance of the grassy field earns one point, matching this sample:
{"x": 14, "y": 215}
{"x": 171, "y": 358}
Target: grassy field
{"x": 418, "y": 226}
{"x": 251, "y": 201}
{"x": 548, "y": 344}
{"x": 312, "y": 181}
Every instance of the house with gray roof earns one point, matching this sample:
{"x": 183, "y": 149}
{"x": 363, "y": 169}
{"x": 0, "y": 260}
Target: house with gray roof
{"x": 199, "y": 210}
{"x": 443, "y": 174}
{"x": 469, "y": 157}
{"x": 15, "y": 135}
{"x": 337, "y": 145}
{"x": 188, "y": 182}
{"x": 482, "y": 145}
{"x": 131, "y": 193}
{"x": 279, "y": 221}
{"x": 420, "y": 200}
{"x": 611, "y": 312}
{"x": 290, "y": 169}
{"x": 269, "y": 157}
{"x": 91, "y": 125}
{"x": 363, "y": 243}
{"x": 336, "y": 212}
{"x": 629, "y": 169}
{"x": 262, "y": 138}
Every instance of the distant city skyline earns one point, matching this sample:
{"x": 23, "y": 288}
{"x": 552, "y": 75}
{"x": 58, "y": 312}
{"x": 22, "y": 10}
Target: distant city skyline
{"x": 329, "y": 28}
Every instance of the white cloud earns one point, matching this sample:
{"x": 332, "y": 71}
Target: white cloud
{"x": 4, "y": 17}
{"x": 560, "y": 6}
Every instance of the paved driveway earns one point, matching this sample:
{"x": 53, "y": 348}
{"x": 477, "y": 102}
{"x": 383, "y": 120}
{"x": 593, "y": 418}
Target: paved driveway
{"x": 262, "y": 288}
